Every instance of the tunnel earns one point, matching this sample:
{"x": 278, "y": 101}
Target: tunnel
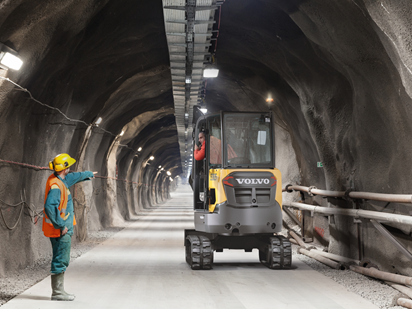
{"x": 113, "y": 83}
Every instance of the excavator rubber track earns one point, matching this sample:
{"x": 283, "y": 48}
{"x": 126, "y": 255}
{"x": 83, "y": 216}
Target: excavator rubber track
{"x": 278, "y": 254}
{"x": 199, "y": 252}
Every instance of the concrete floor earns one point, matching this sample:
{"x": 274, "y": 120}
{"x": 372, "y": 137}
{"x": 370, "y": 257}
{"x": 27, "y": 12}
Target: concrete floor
{"x": 143, "y": 266}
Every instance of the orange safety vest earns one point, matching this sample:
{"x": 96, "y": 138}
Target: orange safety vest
{"x": 48, "y": 228}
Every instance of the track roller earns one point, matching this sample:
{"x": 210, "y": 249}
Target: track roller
{"x": 199, "y": 253}
{"x": 277, "y": 254}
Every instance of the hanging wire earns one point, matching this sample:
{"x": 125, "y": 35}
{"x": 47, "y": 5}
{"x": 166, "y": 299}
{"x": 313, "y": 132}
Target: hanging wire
{"x": 48, "y": 169}
{"x": 55, "y": 108}
{"x": 48, "y": 106}
{"x": 33, "y": 213}
{"x": 18, "y": 219}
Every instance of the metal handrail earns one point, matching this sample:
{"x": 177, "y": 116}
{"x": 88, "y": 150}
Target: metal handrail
{"x": 389, "y": 278}
{"x": 357, "y": 213}
{"x": 393, "y": 198}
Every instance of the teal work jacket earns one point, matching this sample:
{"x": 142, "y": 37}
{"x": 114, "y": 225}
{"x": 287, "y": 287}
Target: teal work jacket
{"x": 53, "y": 201}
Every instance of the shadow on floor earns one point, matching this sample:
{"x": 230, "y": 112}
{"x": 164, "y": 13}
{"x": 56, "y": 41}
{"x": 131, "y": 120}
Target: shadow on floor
{"x": 34, "y": 297}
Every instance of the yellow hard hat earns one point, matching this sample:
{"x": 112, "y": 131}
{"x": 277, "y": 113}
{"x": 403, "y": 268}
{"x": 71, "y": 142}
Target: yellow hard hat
{"x": 61, "y": 162}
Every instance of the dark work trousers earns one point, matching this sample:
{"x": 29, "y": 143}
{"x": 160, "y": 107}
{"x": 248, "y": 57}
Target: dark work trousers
{"x": 61, "y": 253}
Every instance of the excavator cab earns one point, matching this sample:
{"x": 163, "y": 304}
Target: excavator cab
{"x": 237, "y": 190}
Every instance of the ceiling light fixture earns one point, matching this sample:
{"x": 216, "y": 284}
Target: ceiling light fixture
{"x": 210, "y": 73}
{"x": 140, "y": 149}
{"x": 9, "y": 58}
{"x": 169, "y": 173}
{"x": 151, "y": 158}
{"x": 98, "y": 121}
{"x": 11, "y": 61}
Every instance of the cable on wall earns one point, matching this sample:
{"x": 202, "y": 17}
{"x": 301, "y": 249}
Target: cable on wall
{"x": 33, "y": 212}
{"x": 55, "y": 108}
{"x": 63, "y": 114}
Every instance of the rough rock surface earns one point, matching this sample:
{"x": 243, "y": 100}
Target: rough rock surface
{"x": 340, "y": 73}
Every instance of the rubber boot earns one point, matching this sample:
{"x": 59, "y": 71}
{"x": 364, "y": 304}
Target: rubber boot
{"x": 58, "y": 288}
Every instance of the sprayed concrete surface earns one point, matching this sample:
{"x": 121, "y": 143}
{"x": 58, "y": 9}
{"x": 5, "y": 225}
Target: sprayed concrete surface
{"x": 143, "y": 266}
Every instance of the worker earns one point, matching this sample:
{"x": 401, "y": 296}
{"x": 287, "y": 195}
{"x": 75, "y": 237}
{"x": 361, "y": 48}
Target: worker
{"x": 200, "y": 150}
{"x": 58, "y": 220}
{"x": 215, "y": 150}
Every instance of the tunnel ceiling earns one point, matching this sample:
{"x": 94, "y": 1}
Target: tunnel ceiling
{"x": 189, "y": 32}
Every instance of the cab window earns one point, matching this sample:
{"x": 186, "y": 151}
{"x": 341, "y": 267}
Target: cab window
{"x": 215, "y": 142}
{"x": 248, "y": 140}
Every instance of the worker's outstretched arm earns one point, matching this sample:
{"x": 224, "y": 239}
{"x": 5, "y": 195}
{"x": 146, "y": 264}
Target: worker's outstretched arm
{"x": 73, "y": 178}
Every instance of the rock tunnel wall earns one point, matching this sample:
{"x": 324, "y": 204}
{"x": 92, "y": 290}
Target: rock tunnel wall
{"x": 339, "y": 72}
{"x": 89, "y": 59}
{"x": 340, "y": 76}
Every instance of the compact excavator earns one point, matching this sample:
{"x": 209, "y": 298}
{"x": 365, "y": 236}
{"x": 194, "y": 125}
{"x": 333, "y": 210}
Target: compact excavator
{"x": 237, "y": 191}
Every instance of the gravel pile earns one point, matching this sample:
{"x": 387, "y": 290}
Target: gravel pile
{"x": 17, "y": 282}
{"x": 374, "y": 290}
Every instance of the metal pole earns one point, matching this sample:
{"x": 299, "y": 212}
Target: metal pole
{"x": 359, "y": 230}
{"x": 293, "y": 217}
{"x": 404, "y": 302}
{"x": 321, "y": 259}
{"x": 293, "y": 241}
{"x": 400, "y": 288}
{"x": 317, "y": 191}
{"x": 393, "y": 198}
{"x": 373, "y": 272}
{"x": 336, "y": 257}
{"x": 355, "y": 213}
{"x": 392, "y": 239}
{"x": 297, "y": 238}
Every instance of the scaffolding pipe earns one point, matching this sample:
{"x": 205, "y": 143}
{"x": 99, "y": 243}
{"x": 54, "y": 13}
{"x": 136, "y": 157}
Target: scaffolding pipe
{"x": 293, "y": 241}
{"x": 336, "y": 257}
{"x": 315, "y": 191}
{"x": 321, "y": 259}
{"x": 404, "y": 302}
{"x": 357, "y": 213}
{"x": 373, "y": 272}
{"x": 401, "y": 288}
{"x": 392, "y": 239}
{"x": 293, "y": 217}
{"x": 298, "y": 239}
{"x": 392, "y": 198}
